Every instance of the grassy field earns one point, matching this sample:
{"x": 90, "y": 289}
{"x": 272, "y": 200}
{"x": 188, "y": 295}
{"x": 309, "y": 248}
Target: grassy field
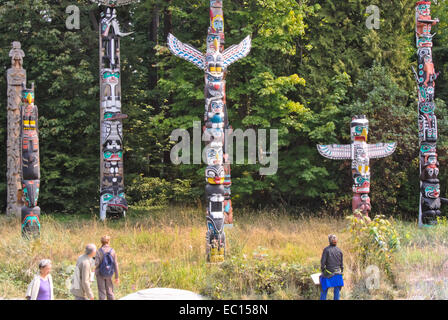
{"x": 271, "y": 255}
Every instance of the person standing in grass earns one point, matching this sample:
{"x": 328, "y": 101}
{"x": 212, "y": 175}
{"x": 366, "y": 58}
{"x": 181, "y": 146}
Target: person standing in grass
{"x": 106, "y": 266}
{"x": 41, "y": 287}
{"x": 332, "y": 267}
{"x": 82, "y": 277}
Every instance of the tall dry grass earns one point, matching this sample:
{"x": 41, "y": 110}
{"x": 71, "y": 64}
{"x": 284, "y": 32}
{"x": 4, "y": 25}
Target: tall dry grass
{"x": 165, "y": 247}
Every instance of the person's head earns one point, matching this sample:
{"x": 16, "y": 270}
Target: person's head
{"x": 45, "y": 266}
{"x": 332, "y": 239}
{"x": 105, "y": 240}
{"x": 91, "y": 250}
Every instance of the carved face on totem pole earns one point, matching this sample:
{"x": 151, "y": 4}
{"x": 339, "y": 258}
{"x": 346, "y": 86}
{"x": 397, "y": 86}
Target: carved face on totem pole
{"x": 214, "y": 154}
{"x": 361, "y": 202}
{"x": 214, "y": 174}
{"x": 31, "y": 221}
{"x": 359, "y": 128}
{"x": 427, "y": 127}
{"x": 427, "y": 107}
{"x": 112, "y": 199}
{"x": 424, "y": 8}
{"x": 431, "y": 190}
{"x": 361, "y": 182}
{"x": 30, "y": 192}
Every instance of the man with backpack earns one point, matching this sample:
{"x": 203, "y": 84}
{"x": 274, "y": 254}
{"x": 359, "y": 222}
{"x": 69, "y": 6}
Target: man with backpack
{"x": 106, "y": 266}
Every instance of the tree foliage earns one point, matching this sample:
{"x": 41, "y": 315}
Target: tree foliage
{"x": 313, "y": 65}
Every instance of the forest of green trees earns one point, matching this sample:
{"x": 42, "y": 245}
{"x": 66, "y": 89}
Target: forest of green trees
{"x": 313, "y": 65}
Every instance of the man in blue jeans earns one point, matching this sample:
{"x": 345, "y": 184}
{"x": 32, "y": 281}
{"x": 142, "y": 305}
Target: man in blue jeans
{"x": 332, "y": 267}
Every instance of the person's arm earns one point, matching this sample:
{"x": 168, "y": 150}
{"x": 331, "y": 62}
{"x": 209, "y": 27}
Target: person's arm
{"x": 323, "y": 261}
{"x": 85, "y": 279}
{"x": 28, "y": 290}
{"x": 98, "y": 258}
{"x": 116, "y": 266}
{"x": 342, "y": 262}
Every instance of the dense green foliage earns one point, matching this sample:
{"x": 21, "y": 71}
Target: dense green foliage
{"x": 313, "y": 65}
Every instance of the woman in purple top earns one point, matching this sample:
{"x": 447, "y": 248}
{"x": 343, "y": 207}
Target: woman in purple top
{"x": 41, "y": 288}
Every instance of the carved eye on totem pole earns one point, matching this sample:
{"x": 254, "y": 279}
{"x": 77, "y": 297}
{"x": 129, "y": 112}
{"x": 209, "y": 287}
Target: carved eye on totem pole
{"x": 113, "y": 155}
{"x": 427, "y": 107}
{"x": 216, "y": 106}
{"x": 429, "y": 173}
{"x": 113, "y": 145}
{"x": 428, "y": 149}
{"x": 111, "y": 76}
{"x": 361, "y": 183}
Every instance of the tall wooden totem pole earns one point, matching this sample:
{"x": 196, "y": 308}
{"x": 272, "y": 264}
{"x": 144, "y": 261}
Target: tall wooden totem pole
{"x": 360, "y": 153}
{"x": 30, "y": 163}
{"x": 430, "y": 201}
{"x": 112, "y": 199}
{"x": 217, "y": 174}
{"x": 22, "y": 147}
{"x": 16, "y": 76}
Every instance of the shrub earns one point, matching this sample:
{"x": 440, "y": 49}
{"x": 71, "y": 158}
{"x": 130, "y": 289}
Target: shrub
{"x": 374, "y": 241}
{"x": 269, "y": 278}
{"x": 150, "y": 191}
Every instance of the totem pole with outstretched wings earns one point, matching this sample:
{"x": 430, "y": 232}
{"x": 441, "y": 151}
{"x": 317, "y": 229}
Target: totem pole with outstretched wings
{"x": 215, "y": 62}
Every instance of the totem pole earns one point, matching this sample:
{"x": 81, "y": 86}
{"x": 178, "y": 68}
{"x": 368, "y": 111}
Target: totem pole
{"x": 217, "y": 174}
{"x": 360, "y": 153}
{"x": 30, "y": 163}
{"x": 16, "y": 76}
{"x": 112, "y": 200}
{"x": 430, "y": 201}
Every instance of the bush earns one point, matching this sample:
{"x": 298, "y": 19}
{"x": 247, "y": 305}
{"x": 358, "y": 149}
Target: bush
{"x": 149, "y": 191}
{"x": 268, "y": 278}
{"x": 374, "y": 241}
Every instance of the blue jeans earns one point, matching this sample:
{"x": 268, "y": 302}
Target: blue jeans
{"x": 323, "y": 293}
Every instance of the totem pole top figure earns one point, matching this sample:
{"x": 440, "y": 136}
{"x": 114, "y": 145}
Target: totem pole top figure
{"x": 424, "y": 24}
{"x": 17, "y": 55}
{"x": 216, "y": 60}
{"x": 359, "y": 130}
{"x": 114, "y": 3}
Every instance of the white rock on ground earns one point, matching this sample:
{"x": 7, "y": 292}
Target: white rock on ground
{"x": 163, "y": 294}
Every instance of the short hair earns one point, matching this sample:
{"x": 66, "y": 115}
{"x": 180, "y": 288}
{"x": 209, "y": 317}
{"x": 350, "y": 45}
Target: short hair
{"x": 105, "y": 239}
{"x": 332, "y": 237}
{"x": 43, "y": 263}
{"x": 90, "y": 248}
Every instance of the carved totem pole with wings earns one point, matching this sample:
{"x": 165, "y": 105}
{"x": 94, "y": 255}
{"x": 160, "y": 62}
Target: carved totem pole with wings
{"x": 360, "y": 153}
{"x": 215, "y": 62}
